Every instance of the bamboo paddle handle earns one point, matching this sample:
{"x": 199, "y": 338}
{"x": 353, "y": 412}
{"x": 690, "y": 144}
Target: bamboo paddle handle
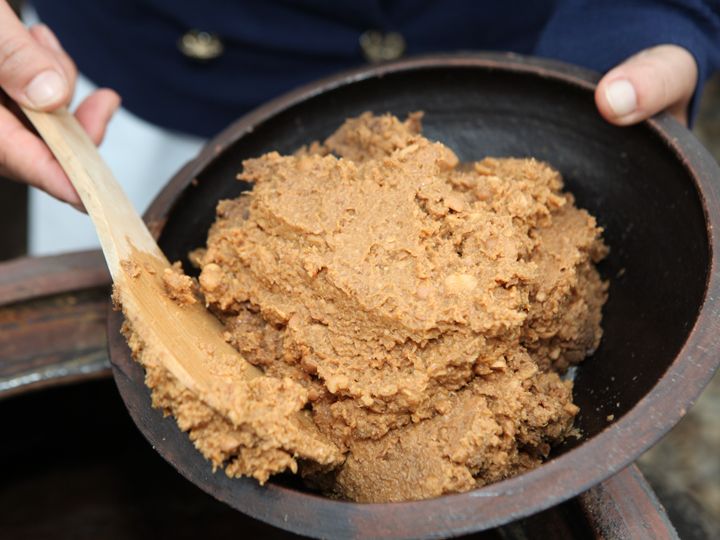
{"x": 118, "y": 225}
{"x": 181, "y": 333}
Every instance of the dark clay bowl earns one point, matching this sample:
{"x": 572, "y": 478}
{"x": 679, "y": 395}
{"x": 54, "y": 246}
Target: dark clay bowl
{"x": 654, "y": 189}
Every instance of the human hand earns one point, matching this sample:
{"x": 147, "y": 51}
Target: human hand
{"x": 36, "y": 72}
{"x": 656, "y": 79}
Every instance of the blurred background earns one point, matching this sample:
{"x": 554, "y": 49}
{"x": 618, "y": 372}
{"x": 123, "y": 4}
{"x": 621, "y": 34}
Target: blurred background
{"x": 684, "y": 468}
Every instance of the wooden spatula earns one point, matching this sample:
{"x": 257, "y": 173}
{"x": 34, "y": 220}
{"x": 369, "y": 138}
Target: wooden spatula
{"x": 181, "y": 335}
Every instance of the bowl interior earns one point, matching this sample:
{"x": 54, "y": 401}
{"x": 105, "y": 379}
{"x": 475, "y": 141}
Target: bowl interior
{"x": 626, "y": 177}
{"x": 629, "y": 178}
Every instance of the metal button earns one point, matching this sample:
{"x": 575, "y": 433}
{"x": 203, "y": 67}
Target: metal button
{"x": 379, "y": 46}
{"x": 199, "y": 45}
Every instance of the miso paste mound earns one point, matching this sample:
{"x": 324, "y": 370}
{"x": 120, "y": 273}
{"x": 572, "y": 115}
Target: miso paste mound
{"x": 425, "y": 305}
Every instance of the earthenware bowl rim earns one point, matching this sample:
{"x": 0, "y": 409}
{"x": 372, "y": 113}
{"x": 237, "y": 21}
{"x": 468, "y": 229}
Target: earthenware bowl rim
{"x": 566, "y": 475}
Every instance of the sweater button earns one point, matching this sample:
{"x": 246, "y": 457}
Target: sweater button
{"x": 380, "y": 46}
{"x": 201, "y": 46}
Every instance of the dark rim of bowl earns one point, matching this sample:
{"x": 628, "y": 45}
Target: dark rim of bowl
{"x": 555, "y": 481}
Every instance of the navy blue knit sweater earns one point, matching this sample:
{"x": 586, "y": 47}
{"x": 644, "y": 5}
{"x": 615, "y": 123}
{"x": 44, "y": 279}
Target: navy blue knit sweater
{"x": 273, "y": 46}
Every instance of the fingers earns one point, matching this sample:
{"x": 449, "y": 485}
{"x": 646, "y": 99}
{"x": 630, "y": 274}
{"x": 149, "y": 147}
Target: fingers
{"x": 95, "y": 112}
{"x": 47, "y": 38}
{"x": 23, "y": 155}
{"x": 34, "y": 70}
{"x": 654, "y": 80}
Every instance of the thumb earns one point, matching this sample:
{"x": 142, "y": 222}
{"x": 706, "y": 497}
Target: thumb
{"x": 29, "y": 73}
{"x": 656, "y": 79}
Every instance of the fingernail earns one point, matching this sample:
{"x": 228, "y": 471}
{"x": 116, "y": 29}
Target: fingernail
{"x": 46, "y": 88}
{"x": 621, "y": 97}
